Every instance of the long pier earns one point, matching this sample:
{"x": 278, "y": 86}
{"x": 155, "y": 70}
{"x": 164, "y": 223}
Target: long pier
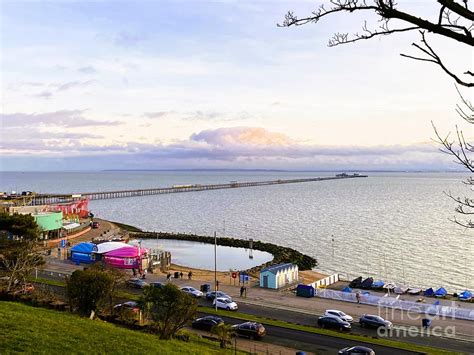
{"x": 42, "y": 199}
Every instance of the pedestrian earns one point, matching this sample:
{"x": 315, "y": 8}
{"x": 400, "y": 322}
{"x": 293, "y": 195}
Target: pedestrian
{"x": 358, "y": 297}
{"x": 217, "y": 285}
{"x": 190, "y": 275}
{"x": 181, "y": 275}
{"x": 134, "y": 272}
{"x": 242, "y": 290}
{"x": 168, "y": 276}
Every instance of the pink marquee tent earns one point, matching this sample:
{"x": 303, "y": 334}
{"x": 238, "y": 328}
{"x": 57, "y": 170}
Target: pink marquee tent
{"x": 125, "y": 258}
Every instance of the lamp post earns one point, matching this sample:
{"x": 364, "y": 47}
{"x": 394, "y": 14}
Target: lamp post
{"x": 215, "y": 269}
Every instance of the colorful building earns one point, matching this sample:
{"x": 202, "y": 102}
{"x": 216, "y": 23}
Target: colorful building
{"x": 50, "y": 224}
{"x": 278, "y": 276}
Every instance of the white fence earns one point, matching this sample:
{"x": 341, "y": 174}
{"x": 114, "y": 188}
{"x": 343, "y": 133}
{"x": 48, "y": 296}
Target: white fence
{"x": 326, "y": 281}
{"x": 394, "y": 303}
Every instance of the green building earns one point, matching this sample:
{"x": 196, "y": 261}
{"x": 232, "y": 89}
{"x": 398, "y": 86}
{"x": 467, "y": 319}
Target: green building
{"x": 50, "y": 224}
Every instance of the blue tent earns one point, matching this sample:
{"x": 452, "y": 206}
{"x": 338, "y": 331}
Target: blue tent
{"x": 378, "y": 284}
{"x": 465, "y": 296}
{"x": 347, "y": 289}
{"x": 441, "y": 292}
{"x": 429, "y": 292}
{"x": 83, "y": 253}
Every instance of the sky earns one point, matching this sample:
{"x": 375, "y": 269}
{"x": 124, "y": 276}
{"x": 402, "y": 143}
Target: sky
{"x": 184, "y": 84}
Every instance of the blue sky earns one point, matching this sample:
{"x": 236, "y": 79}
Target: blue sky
{"x": 200, "y": 84}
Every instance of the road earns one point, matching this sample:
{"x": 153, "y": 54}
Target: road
{"x": 306, "y": 341}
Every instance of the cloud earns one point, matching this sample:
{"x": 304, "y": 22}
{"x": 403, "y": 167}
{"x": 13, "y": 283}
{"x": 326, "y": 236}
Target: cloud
{"x": 241, "y": 136}
{"x": 73, "y": 84}
{"x": 87, "y": 70}
{"x": 63, "y": 118}
{"x": 44, "y": 94}
{"x": 128, "y": 39}
{"x": 159, "y": 114}
{"x": 234, "y": 147}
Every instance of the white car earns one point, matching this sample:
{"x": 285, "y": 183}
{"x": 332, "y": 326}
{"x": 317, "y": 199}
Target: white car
{"x": 225, "y": 303}
{"x": 339, "y": 314}
{"x": 192, "y": 291}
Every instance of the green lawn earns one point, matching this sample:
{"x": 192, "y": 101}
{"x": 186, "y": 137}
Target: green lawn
{"x": 37, "y": 330}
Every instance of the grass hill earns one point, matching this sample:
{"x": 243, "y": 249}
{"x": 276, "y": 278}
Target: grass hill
{"x": 36, "y": 330}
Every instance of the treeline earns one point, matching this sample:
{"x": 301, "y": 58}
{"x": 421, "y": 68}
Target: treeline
{"x": 280, "y": 254}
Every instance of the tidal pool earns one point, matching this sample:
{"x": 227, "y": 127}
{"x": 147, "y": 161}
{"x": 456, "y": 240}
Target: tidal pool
{"x": 201, "y": 255}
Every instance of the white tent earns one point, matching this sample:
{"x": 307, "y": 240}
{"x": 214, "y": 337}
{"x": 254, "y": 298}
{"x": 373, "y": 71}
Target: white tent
{"x": 109, "y": 246}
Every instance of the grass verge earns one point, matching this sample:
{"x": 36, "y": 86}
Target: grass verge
{"x": 29, "y": 329}
{"x": 248, "y": 317}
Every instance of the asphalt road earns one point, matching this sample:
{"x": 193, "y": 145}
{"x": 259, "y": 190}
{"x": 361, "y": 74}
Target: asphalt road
{"x": 319, "y": 344}
{"x": 327, "y": 344}
{"x": 311, "y": 320}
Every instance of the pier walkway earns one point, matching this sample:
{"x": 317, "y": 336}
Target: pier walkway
{"x": 41, "y": 199}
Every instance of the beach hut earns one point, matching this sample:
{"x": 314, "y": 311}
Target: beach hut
{"x": 83, "y": 253}
{"x": 277, "y": 276}
{"x": 128, "y": 257}
{"x": 441, "y": 292}
{"x": 465, "y": 296}
{"x": 429, "y": 292}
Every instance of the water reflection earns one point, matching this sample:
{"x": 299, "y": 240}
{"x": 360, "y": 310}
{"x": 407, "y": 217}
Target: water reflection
{"x": 201, "y": 255}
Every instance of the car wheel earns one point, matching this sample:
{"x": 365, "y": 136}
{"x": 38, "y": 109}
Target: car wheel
{"x": 228, "y": 308}
{"x": 362, "y": 325}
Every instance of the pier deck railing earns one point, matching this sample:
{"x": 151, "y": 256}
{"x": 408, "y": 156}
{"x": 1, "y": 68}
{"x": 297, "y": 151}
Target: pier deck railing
{"x": 41, "y": 199}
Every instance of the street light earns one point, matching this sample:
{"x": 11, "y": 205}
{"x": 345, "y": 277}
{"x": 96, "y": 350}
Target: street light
{"x": 215, "y": 268}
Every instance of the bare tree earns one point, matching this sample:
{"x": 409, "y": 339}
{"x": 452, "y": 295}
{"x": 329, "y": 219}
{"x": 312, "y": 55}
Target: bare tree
{"x": 454, "y": 21}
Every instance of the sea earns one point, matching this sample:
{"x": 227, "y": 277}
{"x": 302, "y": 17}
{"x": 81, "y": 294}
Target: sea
{"x": 396, "y": 227}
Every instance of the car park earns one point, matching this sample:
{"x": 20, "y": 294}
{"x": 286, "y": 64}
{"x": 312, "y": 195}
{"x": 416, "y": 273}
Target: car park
{"x": 192, "y": 291}
{"x": 333, "y": 322}
{"x": 225, "y": 303}
{"x": 374, "y": 321}
{"x": 206, "y": 323}
{"x": 136, "y": 283}
{"x": 362, "y": 350}
{"x": 340, "y": 314}
{"x": 250, "y": 329}
{"x": 212, "y": 294}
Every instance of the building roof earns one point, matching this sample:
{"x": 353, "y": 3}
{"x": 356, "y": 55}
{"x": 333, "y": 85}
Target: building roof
{"x": 275, "y": 268}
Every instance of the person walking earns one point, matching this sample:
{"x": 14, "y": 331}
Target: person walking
{"x": 181, "y": 275}
{"x": 242, "y": 289}
{"x": 190, "y": 275}
{"x": 168, "y": 277}
{"x": 217, "y": 285}
{"x": 358, "y": 297}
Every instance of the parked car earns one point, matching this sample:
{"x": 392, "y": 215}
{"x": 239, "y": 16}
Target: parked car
{"x": 374, "y": 321}
{"x": 333, "y": 322}
{"x": 136, "y": 283}
{"x": 340, "y": 314}
{"x": 250, "y": 329}
{"x": 357, "y": 350}
{"x": 192, "y": 291}
{"x": 95, "y": 225}
{"x": 206, "y": 323}
{"x": 133, "y": 306}
{"x": 211, "y": 295}
{"x": 156, "y": 284}
{"x": 225, "y": 303}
